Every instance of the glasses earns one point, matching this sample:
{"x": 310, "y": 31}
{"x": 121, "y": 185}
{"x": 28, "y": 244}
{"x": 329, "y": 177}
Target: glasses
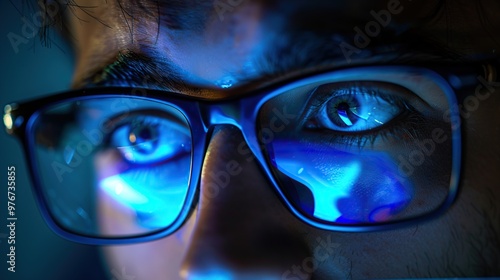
{"x": 356, "y": 149}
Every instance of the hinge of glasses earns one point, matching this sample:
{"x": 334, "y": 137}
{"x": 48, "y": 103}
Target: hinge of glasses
{"x": 10, "y": 121}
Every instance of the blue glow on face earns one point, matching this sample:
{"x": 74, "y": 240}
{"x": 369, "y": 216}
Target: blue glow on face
{"x": 346, "y": 187}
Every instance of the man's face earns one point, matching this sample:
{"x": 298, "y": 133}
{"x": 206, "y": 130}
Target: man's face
{"x": 204, "y": 48}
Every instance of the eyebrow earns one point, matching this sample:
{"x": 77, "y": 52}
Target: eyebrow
{"x": 133, "y": 69}
{"x": 153, "y": 70}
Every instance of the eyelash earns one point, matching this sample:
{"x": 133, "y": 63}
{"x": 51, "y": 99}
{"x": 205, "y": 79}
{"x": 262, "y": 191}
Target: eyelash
{"x": 406, "y": 126}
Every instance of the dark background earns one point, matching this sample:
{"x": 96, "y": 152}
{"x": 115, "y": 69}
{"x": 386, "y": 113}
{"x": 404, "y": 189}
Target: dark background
{"x": 34, "y": 70}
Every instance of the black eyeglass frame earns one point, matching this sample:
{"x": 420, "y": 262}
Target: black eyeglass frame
{"x": 202, "y": 116}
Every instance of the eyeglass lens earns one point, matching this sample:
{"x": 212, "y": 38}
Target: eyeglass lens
{"x": 361, "y": 152}
{"x": 113, "y": 167}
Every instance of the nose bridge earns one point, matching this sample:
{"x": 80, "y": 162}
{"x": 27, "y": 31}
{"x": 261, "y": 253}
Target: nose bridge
{"x": 221, "y": 113}
{"x": 242, "y": 230}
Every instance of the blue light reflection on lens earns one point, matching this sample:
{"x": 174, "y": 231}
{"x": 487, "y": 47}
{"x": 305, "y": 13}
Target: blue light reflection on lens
{"x": 155, "y": 184}
{"x": 155, "y": 207}
{"x": 346, "y": 187}
{"x": 213, "y": 274}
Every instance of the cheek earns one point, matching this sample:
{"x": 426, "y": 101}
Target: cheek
{"x": 481, "y": 160}
{"x": 159, "y": 259}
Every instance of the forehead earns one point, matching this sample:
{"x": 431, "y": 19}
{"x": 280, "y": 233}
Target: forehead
{"x": 222, "y": 42}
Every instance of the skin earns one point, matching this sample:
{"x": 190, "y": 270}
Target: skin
{"x": 245, "y": 230}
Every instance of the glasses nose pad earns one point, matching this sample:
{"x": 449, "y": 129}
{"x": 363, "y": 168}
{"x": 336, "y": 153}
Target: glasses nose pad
{"x": 242, "y": 229}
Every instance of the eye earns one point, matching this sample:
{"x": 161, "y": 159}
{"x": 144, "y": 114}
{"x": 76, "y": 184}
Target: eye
{"x": 356, "y": 110}
{"x": 357, "y": 113}
{"x": 150, "y": 139}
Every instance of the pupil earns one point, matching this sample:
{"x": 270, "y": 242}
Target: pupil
{"x": 144, "y": 134}
{"x": 345, "y": 115}
{"x": 343, "y": 106}
{"x": 146, "y": 139}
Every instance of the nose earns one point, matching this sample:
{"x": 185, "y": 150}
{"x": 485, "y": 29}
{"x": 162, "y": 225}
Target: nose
{"x": 242, "y": 230}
